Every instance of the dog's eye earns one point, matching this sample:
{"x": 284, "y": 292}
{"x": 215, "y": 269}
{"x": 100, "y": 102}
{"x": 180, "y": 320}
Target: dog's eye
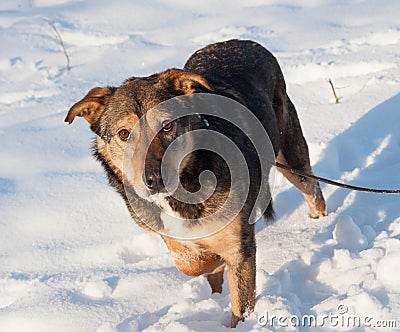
{"x": 167, "y": 126}
{"x": 124, "y": 134}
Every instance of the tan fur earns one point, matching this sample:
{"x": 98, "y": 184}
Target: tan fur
{"x": 113, "y": 152}
{"x": 190, "y": 261}
{"x": 216, "y": 279}
{"x": 209, "y": 256}
{"x": 186, "y": 81}
{"x": 90, "y": 106}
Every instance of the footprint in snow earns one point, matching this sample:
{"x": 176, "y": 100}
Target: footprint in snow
{"x": 11, "y": 290}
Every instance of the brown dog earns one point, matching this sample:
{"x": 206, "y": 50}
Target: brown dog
{"x": 243, "y": 71}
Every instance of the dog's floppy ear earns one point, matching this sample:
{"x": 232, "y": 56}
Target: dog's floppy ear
{"x": 187, "y": 82}
{"x": 91, "y": 106}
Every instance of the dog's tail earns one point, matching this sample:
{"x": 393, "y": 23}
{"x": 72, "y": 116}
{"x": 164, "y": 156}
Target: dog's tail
{"x": 269, "y": 213}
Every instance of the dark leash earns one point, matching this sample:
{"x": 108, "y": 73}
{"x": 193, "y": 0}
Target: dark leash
{"x": 334, "y": 183}
{"x": 311, "y": 176}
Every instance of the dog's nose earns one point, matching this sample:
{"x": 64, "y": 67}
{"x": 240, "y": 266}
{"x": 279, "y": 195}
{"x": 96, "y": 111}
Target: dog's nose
{"x": 153, "y": 181}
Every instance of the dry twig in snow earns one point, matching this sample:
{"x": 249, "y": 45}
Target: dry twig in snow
{"x": 334, "y": 92}
{"x": 58, "y": 36}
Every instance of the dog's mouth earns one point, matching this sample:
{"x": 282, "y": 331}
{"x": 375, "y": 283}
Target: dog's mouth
{"x": 161, "y": 195}
{"x": 161, "y": 200}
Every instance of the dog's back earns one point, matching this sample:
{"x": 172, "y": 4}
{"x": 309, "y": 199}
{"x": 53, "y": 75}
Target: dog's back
{"x": 245, "y": 71}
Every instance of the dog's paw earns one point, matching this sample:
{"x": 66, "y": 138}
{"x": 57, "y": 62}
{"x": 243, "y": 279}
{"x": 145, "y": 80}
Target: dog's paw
{"x": 316, "y": 205}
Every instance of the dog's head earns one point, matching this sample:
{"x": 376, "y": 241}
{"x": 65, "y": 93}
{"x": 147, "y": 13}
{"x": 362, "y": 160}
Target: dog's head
{"x": 115, "y": 114}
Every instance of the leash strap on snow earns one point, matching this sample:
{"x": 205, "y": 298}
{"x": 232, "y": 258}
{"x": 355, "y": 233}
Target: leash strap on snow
{"x": 337, "y": 184}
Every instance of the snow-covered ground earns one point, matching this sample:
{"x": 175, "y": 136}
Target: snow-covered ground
{"x": 71, "y": 258}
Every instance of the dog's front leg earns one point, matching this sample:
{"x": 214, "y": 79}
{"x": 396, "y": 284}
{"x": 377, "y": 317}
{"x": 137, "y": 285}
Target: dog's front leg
{"x": 242, "y": 284}
{"x": 236, "y": 245}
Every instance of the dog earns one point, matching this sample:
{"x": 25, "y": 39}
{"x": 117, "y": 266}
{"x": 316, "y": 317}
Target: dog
{"x": 242, "y": 71}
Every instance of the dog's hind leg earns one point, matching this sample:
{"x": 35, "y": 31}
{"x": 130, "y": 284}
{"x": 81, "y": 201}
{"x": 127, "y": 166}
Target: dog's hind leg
{"x": 294, "y": 153}
{"x": 216, "y": 279}
{"x": 309, "y": 187}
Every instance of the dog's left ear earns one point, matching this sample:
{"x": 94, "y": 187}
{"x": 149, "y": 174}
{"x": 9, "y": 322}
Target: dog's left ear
{"x": 187, "y": 82}
{"x": 91, "y": 106}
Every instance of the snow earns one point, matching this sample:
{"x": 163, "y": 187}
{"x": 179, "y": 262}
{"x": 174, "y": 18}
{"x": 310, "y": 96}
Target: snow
{"x": 71, "y": 258}
{"x": 349, "y": 235}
